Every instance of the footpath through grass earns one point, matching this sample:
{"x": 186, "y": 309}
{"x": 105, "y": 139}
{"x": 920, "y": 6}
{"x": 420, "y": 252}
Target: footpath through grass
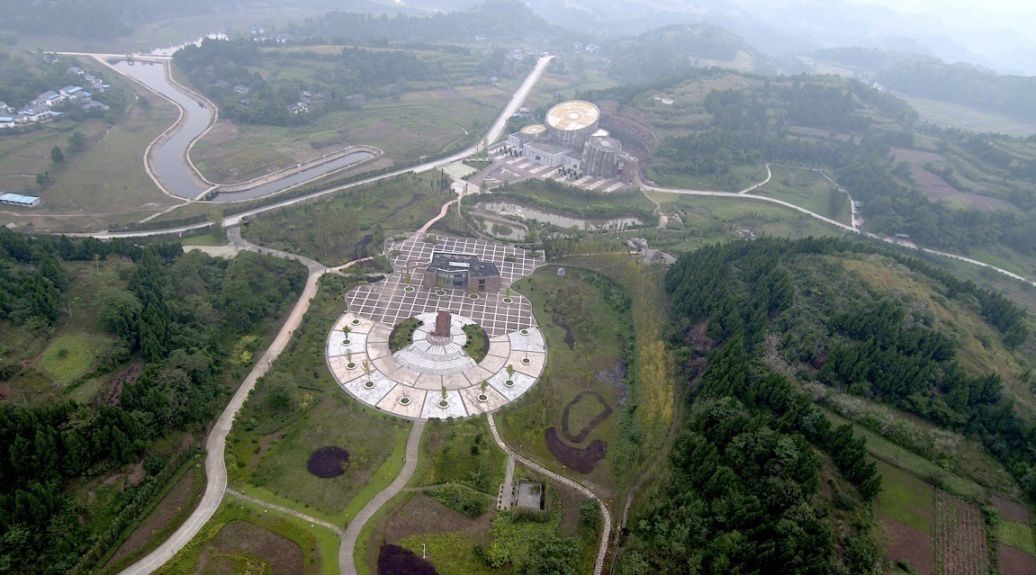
{"x": 298, "y": 408}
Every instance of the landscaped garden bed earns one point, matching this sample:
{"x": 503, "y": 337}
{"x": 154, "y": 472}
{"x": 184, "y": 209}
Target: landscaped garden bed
{"x": 403, "y": 334}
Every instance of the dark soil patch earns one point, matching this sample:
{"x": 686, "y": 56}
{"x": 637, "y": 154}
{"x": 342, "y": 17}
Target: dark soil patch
{"x": 582, "y": 460}
{"x": 328, "y": 462}
{"x": 423, "y": 514}
{"x": 395, "y": 560}
{"x": 605, "y": 413}
{"x": 128, "y": 376}
{"x": 1014, "y": 561}
{"x": 282, "y": 554}
{"x": 909, "y": 545}
{"x": 559, "y": 320}
{"x": 5, "y": 391}
{"x": 1010, "y": 510}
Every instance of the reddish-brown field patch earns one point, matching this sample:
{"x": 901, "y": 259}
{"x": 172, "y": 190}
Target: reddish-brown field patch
{"x": 960, "y": 537}
{"x": 283, "y": 555}
{"x": 909, "y": 545}
{"x": 422, "y": 514}
{"x": 1011, "y": 510}
{"x": 583, "y": 460}
{"x": 395, "y": 560}
{"x": 1014, "y": 561}
{"x": 182, "y": 497}
{"x": 935, "y": 187}
{"x": 328, "y": 462}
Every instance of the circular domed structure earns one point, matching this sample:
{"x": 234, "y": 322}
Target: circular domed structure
{"x": 570, "y": 124}
{"x": 601, "y": 157}
{"x": 534, "y": 131}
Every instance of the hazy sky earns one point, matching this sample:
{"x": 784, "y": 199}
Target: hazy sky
{"x": 1017, "y": 14}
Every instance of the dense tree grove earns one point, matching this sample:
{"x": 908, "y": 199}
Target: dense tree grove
{"x": 741, "y": 491}
{"x": 181, "y": 315}
{"x": 741, "y": 495}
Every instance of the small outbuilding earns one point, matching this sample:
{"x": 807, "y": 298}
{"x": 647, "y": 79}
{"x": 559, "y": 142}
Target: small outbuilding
{"x": 19, "y": 200}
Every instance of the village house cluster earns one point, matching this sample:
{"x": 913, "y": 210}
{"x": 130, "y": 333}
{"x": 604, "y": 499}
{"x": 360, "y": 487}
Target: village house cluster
{"x": 42, "y": 108}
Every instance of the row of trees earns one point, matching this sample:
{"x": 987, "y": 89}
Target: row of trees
{"x": 180, "y": 315}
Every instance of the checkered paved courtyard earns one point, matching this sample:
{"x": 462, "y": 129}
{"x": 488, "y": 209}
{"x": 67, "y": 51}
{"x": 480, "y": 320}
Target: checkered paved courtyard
{"x": 394, "y": 300}
{"x": 425, "y": 381}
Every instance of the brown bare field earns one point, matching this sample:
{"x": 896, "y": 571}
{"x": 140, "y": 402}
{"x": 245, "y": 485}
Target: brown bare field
{"x": 1010, "y": 509}
{"x": 238, "y": 538}
{"x": 909, "y": 545}
{"x": 422, "y": 514}
{"x": 938, "y": 189}
{"x": 960, "y": 537}
{"x": 570, "y": 501}
{"x": 183, "y": 497}
{"x": 1014, "y": 561}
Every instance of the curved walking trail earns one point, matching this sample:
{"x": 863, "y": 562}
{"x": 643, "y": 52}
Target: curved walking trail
{"x": 215, "y": 444}
{"x": 347, "y": 550}
{"x": 602, "y": 550}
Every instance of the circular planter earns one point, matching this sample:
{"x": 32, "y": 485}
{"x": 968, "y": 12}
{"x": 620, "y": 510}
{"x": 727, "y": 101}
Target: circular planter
{"x": 368, "y": 385}
{"x": 350, "y": 365}
{"x": 347, "y": 342}
{"x": 409, "y": 289}
{"x": 509, "y": 383}
{"x": 440, "y": 292}
{"x": 404, "y": 401}
{"x": 473, "y": 296}
{"x": 444, "y": 404}
{"x": 524, "y": 332}
{"x": 508, "y": 300}
{"x": 356, "y": 322}
{"x": 483, "y": 397}
{"x": 526, "y": 361}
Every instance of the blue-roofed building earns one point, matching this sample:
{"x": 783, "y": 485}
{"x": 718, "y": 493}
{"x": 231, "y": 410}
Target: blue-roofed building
{"x": 19, "y": 200}
{"x": 69, "y": 91}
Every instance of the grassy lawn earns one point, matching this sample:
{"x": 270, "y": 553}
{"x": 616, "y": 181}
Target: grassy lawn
{"x": 906, "y": 499}
{"x": 567, "y": 200}
{"x": 298, "y": 408}
{"x": 1017, "y": 535}
{"x": 207, "y": 553}
{"x": 966, "y": 118}
{"x": 737, "y": 179}
{"x": 84, "y": 192}
{"x": 460, "y": 452}
{"x": 696, "y": 221}
{"x": 810, "y": 190}
{"x": 352, "y": 224}
{"x": 420, "y": 124}
{"x": 582, "y": 317}
{"x": 71, "y": 355}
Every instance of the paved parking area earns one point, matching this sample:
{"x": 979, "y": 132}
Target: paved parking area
{"x": 394, "y": 299}
{"x": 511, "y": 170}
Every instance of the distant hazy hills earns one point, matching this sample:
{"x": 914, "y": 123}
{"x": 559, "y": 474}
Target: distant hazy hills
{"x": 932, "y": 78}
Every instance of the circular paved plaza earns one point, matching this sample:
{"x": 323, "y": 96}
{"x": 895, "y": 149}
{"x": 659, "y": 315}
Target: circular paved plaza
{"x": 433, "y": 377}
{"x": 412, "y": 382}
